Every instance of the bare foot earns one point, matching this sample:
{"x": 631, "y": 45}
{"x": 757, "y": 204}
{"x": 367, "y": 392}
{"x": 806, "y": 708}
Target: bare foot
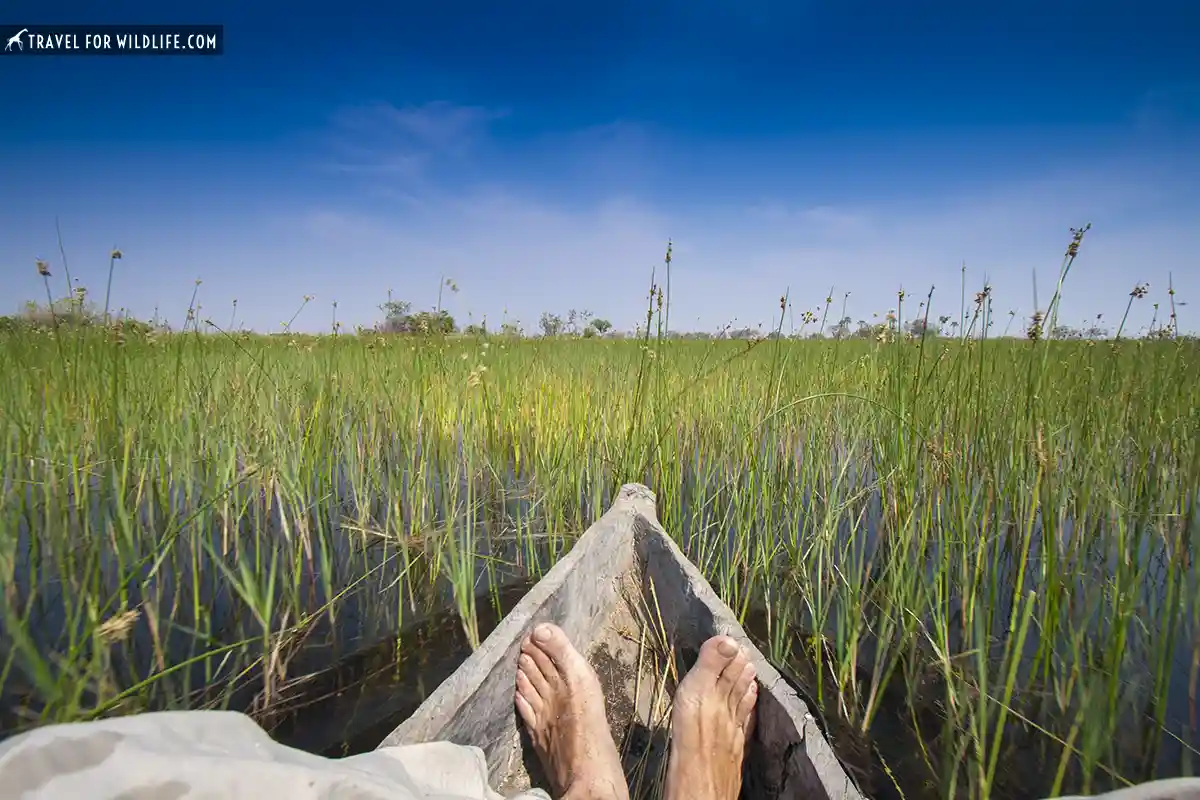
{"x": 710, "y": 724}
{"x": 560, "y": 700}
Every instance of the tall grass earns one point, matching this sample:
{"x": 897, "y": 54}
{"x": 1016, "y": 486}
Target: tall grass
{"x": 991, "y": 540}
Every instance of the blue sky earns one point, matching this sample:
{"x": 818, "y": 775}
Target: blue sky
{"x": 541, "y": 154}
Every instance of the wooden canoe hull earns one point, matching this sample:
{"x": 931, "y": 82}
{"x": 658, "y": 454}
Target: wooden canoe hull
{"x": 625, "y": 559}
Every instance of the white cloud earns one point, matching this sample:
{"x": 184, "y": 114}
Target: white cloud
{"x": 439, "y": 124}
{"x": 511, "y": 250}
{"x": 435, "y": 124}
{"x": 404, "y": 142}
{"x": 579, "y": 234}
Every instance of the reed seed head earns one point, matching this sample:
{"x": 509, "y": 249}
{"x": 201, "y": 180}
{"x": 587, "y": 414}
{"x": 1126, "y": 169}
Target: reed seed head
{"x": 117, "y": 628}
{"x": 1076, "y": 240}
{"x": 1035, "y": 329}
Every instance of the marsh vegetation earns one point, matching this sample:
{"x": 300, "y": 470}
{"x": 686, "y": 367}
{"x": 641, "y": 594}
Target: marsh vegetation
{"x": 975, "y": 551}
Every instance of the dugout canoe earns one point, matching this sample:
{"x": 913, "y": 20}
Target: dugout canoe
{"x": 636, "y": 607}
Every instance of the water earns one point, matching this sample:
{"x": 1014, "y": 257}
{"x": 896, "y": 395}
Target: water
{"x": 351, "y": 707}
{"x": 396, "y": 584}
{"x": 369, "y": 656}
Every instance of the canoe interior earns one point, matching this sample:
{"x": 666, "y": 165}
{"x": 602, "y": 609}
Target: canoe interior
{"x": 639, "y": 610}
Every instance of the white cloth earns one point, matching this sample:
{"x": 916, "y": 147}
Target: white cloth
{"x": 171, "y": 755}
{"x": 222, "y": 754}
{"x": 1165, "y": 789}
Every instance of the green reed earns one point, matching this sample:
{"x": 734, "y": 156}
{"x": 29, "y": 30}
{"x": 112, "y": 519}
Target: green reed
{"x": 991, "y": 539}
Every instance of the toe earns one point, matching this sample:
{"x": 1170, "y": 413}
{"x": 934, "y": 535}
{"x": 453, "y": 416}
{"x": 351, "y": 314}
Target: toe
{"x": 744, "y": 713}
{"x": 533, "y": 673}
{"x": 552, "y": 641}
{"x": 740, "y": 682}
{"x": 569, "y": 664}
{"x": 542, "y": 664}
{"x": 526, "y": 690}
{"x": 730, "y": 676}
{"x": 715, "y": 656}
{"x": 528, "y": 715}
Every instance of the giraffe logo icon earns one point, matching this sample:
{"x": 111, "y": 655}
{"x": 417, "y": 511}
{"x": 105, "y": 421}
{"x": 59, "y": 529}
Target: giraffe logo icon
{"x": 16, "y": 39}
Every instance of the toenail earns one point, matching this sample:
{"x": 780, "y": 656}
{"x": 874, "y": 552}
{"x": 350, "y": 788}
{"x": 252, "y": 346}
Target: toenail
{"x": 728, "y": 648}
{"x": 542, "y": 633}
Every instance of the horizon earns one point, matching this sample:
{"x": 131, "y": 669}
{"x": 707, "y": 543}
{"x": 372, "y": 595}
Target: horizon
{"x": 542, "y": 157}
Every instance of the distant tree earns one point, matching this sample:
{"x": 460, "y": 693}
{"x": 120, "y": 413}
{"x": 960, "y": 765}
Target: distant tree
{"x": 551, "y": 324}
{"x": 602, "y": 326}
{"x": 395, "y": 309}
{"x": 396, "y": 316}
{"x": 841, "y": 330}
{"x": 1095, "y": 328}
{"x": 1066, "y": 332}
{"x": 400, "y": 319}
{"x": 577, "y": 320}
{"x": 74, "y": 311}
{"x": 916, "y": 327}
{"x": 432, "y": 322}
{"x": 512, "y": 329}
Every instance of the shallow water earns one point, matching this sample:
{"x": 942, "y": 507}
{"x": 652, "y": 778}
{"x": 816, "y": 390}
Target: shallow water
{"x": 351, "y": 707}
{"x": 362, "y": 667}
